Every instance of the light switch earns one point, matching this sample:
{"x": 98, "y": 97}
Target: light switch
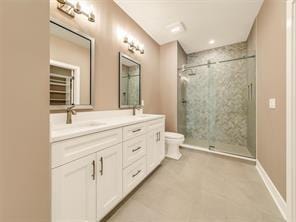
{"x": 272, "y": 103}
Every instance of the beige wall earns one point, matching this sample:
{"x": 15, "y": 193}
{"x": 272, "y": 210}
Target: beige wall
{"x": 168, "y": 82}
{"x": 271, "y": 84}
{"x": 252, "y": 39}
{"x": 182, "y": 56}
{"x": 109, "y": 19}
{"x": 24, "y": 148}
{"x": 172, "y": 57}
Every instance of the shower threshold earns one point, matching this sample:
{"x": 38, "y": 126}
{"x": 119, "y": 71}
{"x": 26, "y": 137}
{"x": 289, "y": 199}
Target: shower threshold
{"x": 216, "y": 151}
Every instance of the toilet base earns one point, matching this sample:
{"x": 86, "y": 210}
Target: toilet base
{"x": 175, "y": 156}
{"x": 172, "y": 151}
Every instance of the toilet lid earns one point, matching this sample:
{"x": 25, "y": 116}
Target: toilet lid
{"x": 170, "y": 135}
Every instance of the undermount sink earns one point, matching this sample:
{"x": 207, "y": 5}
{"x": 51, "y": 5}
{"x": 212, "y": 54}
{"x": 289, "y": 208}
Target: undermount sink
{"x": 141, "y": 116}
{"x": 93, "y": 123}
{"x": 78, "y": 125}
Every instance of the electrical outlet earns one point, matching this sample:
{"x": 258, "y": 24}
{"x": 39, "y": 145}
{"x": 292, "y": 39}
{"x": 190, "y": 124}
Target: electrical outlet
{"x": 272, "y": 103}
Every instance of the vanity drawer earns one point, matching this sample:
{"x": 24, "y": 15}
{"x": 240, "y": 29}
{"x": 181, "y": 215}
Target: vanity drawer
{"x": 68, "y": 150}
{"x": 131, "y": 131}
{"x": 133, "y": 150}
{"x": 133, "y": 175}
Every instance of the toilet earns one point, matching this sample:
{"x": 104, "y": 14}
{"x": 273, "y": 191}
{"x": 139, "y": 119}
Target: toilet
{"x": 172, "y": 144}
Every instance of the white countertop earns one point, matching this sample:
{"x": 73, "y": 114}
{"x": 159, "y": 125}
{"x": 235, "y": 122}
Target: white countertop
{"x": 93, "y": 122}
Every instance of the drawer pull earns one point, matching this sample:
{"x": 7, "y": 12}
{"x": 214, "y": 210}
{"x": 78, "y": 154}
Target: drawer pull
{"x": 134, "y": 150}
{"x": 137, "y": 173}
{"x": 137, "y": 130}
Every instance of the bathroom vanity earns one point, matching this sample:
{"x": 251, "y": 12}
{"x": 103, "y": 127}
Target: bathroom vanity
{"x": 99, "y": 159}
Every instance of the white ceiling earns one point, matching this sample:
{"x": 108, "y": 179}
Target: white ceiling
{"x": 226, "y": 21}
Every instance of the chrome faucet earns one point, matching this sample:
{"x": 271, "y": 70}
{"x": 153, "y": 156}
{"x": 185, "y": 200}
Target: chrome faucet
{"x": 70, "y": 111}
{"x": 136, "y": 107}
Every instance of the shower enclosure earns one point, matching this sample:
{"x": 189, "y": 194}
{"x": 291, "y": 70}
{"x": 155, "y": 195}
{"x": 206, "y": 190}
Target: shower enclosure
{"x": 217, "y": 105}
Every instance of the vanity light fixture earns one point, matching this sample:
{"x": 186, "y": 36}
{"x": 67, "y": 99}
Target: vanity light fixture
{"x": 133, "y": 44}
{"x": 71, "y": 8}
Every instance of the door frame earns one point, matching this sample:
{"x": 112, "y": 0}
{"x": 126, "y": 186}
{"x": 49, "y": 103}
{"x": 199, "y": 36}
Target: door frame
{"x": 291, "y": 110}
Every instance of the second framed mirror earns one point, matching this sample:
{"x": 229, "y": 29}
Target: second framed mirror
{"x": 129, "y": 82}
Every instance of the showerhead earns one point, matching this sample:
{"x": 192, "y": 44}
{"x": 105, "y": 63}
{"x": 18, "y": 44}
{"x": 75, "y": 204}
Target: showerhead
{"x": 184, "y": 71}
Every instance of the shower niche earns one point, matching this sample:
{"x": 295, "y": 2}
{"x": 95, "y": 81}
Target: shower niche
{"x": 217, "y": 100}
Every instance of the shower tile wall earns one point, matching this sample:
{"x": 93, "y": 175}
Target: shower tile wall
{"x": 130, "y": 85}
{"x": 134, "y": 85}
{"x": 218, "y": 92}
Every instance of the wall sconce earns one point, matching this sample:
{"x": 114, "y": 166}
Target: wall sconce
{"x": 70, "y": 8}
{"x": 133, "y": 44}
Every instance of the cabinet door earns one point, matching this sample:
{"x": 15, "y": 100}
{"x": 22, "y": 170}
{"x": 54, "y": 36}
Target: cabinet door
{"x": 151, "y": 150}
{"x": 109, "y": 184}
{"x": 160, "y": 144}
{"x": 74, "y": 191}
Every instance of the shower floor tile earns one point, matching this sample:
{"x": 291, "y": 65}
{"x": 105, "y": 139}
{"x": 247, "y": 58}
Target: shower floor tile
{"x": 200, "y": 187}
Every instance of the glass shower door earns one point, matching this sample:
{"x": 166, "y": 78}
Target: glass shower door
{"x": 217, "y": 106}
{"x": 228, "y": 107}
{"x": 211, "y": 105}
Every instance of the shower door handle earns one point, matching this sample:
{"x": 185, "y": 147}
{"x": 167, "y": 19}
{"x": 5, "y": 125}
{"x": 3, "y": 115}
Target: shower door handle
{"x": 251, "y": 92}
{"x": 248, "y": 92}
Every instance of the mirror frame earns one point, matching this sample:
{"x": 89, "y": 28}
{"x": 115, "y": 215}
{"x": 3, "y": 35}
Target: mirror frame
{"x": 121, "y": 54}
{"x": 92, "y": 67}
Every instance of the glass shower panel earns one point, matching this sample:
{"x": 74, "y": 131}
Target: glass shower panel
{"x": 193, "y": 107}
{"x": 228, "y": 112}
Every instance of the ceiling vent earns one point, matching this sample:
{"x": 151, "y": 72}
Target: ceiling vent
{"x": 176, "y": 27}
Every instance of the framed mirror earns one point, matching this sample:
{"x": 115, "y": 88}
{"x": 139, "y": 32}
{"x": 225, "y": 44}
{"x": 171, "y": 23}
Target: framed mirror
{"x": 71, "y": 68}
{"x": 129, "y": 82}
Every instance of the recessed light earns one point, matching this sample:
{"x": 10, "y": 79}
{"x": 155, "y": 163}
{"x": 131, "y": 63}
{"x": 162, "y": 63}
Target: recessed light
{"x": 176, "y": 27}
{"x": 212, "y": 41}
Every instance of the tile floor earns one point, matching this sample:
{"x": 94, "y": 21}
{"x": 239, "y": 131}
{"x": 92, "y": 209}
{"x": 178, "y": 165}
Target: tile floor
{"x": 201, "y": 187}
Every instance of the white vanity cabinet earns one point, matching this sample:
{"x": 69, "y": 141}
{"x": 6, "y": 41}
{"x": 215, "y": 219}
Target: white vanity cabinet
{"x": 109, "y": 179}
{"x": 74, "y": 191}
{"x": 155, "y": 145}
{"x": 92, "y": 173}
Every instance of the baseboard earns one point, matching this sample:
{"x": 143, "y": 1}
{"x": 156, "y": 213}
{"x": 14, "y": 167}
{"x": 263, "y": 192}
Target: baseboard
{"x": 277, "y": 197}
